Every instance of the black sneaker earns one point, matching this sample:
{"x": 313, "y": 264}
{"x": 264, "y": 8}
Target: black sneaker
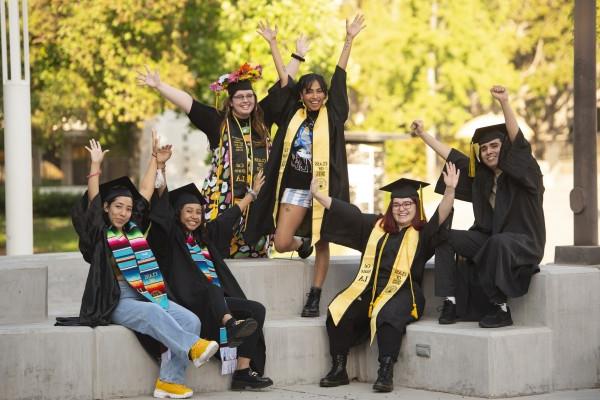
{"x": 246, "y": 379}
{"x": 497, "y": 318}
{"x": 237, "y": 330}
{"x": 448, "y": 315}
{"x": 305, "y": 249}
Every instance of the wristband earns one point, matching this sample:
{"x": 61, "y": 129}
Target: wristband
{"x": 97, "y": 173}
{"x": 297, "y": 57}
{"x": 252, "y": 193}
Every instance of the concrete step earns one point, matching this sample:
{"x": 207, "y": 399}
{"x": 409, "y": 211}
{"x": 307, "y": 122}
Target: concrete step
{"x": 23, "y": 293}
{"x": 467, "y": 360}
{"x": 108, "y": 362}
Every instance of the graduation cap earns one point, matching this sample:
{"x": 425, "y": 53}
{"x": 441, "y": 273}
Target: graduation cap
{"x": 119, "y": 187}
{"x": 481, "y": 136}
{"x": 404, "y": 187}
{"x": 188, "y": 194}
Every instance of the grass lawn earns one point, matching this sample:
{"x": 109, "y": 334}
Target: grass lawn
{"x": 50, "y": 235}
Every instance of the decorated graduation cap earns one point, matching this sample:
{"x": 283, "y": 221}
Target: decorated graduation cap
{"x": 119, "y": 187}
{"x": 240, "y": 79}
{"x": 188, "y": 194}
{"x": 405, "y": 187}
{"x": 481, "y": 136}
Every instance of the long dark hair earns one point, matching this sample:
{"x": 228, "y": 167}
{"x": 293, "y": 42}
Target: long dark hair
{"x": 306, "y": 81}
{"x": 257, "y": 117}
{"x": 389, "y": 224}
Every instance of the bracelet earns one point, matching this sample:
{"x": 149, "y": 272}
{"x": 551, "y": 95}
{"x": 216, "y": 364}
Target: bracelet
{"x": 252, "y": 193}
{"x": 297, "y": 57}
{"x": 154, "y": 155}
{"x": 97, "y": 173}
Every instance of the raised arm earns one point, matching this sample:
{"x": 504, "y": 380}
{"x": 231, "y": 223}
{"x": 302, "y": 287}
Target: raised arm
{"x": 302, "y": 47}
{"x": 251, "y": 195}
{"x": 270, "y": 35}
{"x": 162, "y": 155}
{"x": 96, "y": 156}
{"x": 451, "y": 175}
{"x": 500, "y": 93}
{"x": 352, "y": 29}
{"x": 321, "y": 197}
{"x": 417, "y": 129}
{"x": 147, "y": 183}
{"x": 176, "y": 96}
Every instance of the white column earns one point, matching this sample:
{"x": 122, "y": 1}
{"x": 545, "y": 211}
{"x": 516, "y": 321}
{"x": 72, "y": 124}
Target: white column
{"x": 17, "y": 129}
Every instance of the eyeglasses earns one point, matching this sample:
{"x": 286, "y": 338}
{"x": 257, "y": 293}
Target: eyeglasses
{"x": 406, "y": 205}
{"x": 242, "y": 97}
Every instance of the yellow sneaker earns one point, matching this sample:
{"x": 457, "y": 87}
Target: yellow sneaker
{"x": 202, "y": 351}
{"x": 167, "y": 390}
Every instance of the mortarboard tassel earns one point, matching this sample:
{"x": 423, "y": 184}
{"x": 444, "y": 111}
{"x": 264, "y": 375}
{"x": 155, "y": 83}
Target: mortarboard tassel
{"x": 414, "y": 312}
{"x": 472, "y": 157}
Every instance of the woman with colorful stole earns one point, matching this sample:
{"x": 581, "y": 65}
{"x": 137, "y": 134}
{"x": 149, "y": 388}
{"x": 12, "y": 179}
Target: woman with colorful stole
{"x": 309, "y": 144}
{"x": 124, "y": 285}
{"x": 189, "y": 253}
{"x": 386, "y": 293}
{"x": 238, "y": 136}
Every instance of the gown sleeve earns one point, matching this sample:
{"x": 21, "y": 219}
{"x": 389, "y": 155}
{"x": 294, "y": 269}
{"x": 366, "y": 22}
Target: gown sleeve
{"x": 88, "y": 221}
{"x": 338, "y": 94}
{"x": 162, "y": 217}
{"x": 519, "y": 163}
{"x": 464, "y": 188}
{"x": 277, "y": 102}
{"x": 346, "y": 225}
{"x": 208, "y": 120}
{"x": 220, "y": 230}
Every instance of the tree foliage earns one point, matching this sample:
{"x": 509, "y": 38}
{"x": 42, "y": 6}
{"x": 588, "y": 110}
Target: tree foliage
{"x": 433, "y": 59}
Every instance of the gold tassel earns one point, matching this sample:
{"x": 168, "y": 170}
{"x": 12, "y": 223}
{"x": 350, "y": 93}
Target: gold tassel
{"x": 421, "y": 210}
{"x": 472, "y": 158}
{"x": 414, "y": 312}
{"x": 370, "y": 309}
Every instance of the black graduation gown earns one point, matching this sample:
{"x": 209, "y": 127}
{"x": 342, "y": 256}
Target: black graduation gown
{"x": 261, "y": 220}
{"x": 187, "y": 284}
{"x": 516, "y": 225}
{"x": 101, "y": 293}
{"x": 351, "y": 228}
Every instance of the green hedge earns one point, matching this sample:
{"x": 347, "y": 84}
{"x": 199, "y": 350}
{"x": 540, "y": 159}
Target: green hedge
{"x": 55, "y": 204}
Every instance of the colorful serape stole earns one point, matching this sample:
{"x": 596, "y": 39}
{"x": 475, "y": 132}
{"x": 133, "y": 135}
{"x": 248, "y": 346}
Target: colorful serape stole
{"x": 203, "y": 261}
{"x": 137, "y": 263}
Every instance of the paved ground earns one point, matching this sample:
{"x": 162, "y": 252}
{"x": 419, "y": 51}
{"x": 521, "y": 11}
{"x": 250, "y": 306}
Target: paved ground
{"x": 362, "y": 391}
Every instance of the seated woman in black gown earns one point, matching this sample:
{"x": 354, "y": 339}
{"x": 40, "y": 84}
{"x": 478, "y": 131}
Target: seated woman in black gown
{"x": 386, "y": 294}
{"x": 190, "y": 254}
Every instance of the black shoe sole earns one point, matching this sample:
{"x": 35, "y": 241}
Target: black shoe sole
{"x": 498, "y": 325}
{"x": 241, "y": 386}
{"x": 333, "y": 384}
{"x": 448, "y": 321}
{"x": 248, "y": 329}
{"x": 382, "y": 388}
{"x": 309, "y": 314}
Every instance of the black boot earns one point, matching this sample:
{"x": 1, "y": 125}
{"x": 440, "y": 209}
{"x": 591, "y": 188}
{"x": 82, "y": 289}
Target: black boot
{"x": 337, "y": 375}
{"x": 247, "y": 379}
{"x": 448, "y": 315}
{"x": 305, "y": 248}
{"x": 238, "y": 330}
{"x": 385, "y": 375}
{"x": 497, "y": 318}
{"x": 311, "y": 308}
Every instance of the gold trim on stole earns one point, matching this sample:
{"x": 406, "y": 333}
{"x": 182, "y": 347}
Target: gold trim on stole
{"x": 320, "y": 163}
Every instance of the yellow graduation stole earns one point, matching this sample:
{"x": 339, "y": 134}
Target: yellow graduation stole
{"x": 400, "y": 271}
{"x": 320, "y": 162}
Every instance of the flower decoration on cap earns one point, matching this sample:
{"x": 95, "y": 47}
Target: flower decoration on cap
{"x": 247, "y": 72}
